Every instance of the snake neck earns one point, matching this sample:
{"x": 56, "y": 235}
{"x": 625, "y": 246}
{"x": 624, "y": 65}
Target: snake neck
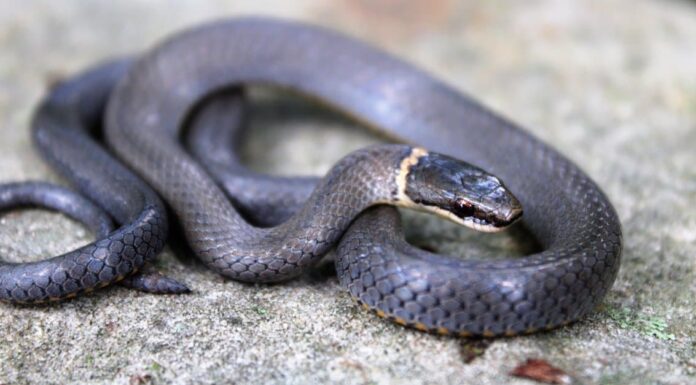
{"x": 364, "y": 178}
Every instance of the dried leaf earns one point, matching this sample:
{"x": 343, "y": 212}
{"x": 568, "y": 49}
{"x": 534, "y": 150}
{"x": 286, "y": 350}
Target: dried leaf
{"x": 542, "y": 371}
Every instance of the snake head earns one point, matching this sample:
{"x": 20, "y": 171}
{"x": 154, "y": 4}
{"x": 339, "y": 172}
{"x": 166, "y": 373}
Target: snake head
{"x": 461, "y": 192}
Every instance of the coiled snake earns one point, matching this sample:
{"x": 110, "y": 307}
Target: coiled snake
{"x": 149, "y": 103}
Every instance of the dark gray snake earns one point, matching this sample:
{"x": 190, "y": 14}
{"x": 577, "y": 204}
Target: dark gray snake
{"x": 566, "y": 212}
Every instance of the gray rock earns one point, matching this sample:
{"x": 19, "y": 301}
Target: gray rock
{"x": 609, "y": 83}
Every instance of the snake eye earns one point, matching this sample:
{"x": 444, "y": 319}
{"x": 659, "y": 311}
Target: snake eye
{"x": 463, "y": 208}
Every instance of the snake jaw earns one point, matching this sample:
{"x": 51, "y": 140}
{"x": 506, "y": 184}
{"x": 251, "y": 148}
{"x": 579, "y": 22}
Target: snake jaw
{"x": 473, "y": 223}
{"x": 487, "y": 227}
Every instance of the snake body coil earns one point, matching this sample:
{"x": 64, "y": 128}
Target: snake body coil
{"x": 61, "y": 130}
{"x": 567, "y": 213}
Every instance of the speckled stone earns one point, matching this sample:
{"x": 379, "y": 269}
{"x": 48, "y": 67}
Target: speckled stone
{"x": 610, "y": 83}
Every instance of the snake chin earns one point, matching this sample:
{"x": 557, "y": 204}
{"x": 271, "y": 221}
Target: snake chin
{"x": 484, "y": 225}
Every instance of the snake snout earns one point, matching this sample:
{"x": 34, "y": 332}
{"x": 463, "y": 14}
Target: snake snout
{"x": 498, "y": 208}
{"x": 511, "y": 215}
{"x": 507, "y": 216}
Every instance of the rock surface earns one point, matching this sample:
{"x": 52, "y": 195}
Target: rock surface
{"x": 611, "y": 84}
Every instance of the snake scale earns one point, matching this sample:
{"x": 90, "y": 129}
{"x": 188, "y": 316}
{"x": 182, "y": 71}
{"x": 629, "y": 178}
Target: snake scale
{"x": 146, "y": 105}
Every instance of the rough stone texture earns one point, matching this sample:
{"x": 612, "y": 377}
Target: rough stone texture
{"x": 609, "y": 83}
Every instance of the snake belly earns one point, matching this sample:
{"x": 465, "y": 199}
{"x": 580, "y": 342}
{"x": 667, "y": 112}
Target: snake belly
{"x": 565, "y": 210}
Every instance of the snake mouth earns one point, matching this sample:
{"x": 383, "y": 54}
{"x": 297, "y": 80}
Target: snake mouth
{"x": 490, "y": 225}
{"x": 481, "y": 225}
{"x": 480, "y": 219}
{"x": 473, "y": 217}
{"x": 476, "y": 216}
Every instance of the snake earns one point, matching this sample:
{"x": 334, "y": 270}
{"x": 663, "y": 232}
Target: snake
{"x": 443, "y": 142}
{"x": 62, "y": 130}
